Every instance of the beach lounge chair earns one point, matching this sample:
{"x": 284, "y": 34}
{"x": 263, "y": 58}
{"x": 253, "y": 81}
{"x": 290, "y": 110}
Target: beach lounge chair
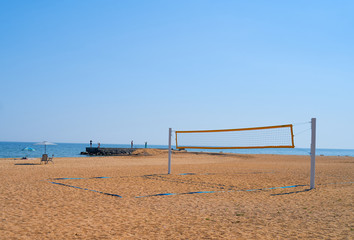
{"x": 50, "y": 158}
{"x": 44, "y": 158}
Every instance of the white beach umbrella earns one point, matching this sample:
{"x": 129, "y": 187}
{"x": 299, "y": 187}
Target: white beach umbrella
{"x": 45, "y": 143}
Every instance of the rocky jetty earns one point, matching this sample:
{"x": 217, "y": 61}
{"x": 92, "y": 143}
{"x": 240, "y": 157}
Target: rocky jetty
{"x": 108, "y": 151}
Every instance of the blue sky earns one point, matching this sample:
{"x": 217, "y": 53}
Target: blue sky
{"x": 113, "y": 71}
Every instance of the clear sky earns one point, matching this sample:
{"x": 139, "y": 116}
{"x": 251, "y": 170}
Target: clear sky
{"x": 113, "y": 71}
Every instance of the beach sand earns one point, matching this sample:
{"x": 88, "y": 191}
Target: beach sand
{"x": 36, "y": 204}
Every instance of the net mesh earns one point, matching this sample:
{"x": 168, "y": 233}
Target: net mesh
{"x": 262, "y": 137}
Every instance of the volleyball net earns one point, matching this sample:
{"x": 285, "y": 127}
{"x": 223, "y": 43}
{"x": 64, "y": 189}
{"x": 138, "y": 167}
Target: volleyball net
{"x": 280, "y": 136}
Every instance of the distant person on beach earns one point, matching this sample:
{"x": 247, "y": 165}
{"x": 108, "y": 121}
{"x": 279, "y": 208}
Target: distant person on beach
{"x": 98, "y": 145}
{"x": 131, "y": 144}
{"x": 146, "y": 144}
{"x": 90, "y": 143}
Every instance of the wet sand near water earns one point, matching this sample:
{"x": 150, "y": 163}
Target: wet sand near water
{"x": 207, "y": 196}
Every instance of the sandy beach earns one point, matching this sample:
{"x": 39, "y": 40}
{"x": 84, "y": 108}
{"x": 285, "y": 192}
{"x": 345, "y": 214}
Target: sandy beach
{"x": 207, "y": 196}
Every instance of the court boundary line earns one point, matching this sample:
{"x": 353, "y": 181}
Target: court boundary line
{"x": 185, "y": 193}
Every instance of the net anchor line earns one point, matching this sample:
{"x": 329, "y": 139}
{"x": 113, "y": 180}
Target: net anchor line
{"x": 297, "y": 134}
{"x": 301, "y": 123}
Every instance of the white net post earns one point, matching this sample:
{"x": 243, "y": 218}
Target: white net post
{"x": 313, "y": 152}
{"x": 169, "y": 149}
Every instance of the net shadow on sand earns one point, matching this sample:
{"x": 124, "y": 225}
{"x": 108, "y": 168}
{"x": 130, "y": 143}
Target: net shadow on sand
{"x": 288, "y": 193}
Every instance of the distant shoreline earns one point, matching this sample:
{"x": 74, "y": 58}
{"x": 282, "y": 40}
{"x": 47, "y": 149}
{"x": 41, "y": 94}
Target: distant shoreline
{"x": 141, "y": 152}
{"x": 15, "y": 150}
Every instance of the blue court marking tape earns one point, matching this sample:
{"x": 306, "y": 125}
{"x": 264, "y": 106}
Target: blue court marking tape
{"x": 86, "y": 189}
{"x": 242, "y": 190}
{"x": 165, "y": 194}
{"x": 66, "y": 178}
{"x": 292, "y": 186}
{"x": 203, "y": 192}
{"x": 198, "y": 192}
{"x": 159, "y": 194}
{"x": 170, "y": 194}
{"x": 217, "y": 173}
{"x": 78, "y": 178}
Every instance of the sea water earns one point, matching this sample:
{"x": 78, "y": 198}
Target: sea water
{"x": 15, "y": 150}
